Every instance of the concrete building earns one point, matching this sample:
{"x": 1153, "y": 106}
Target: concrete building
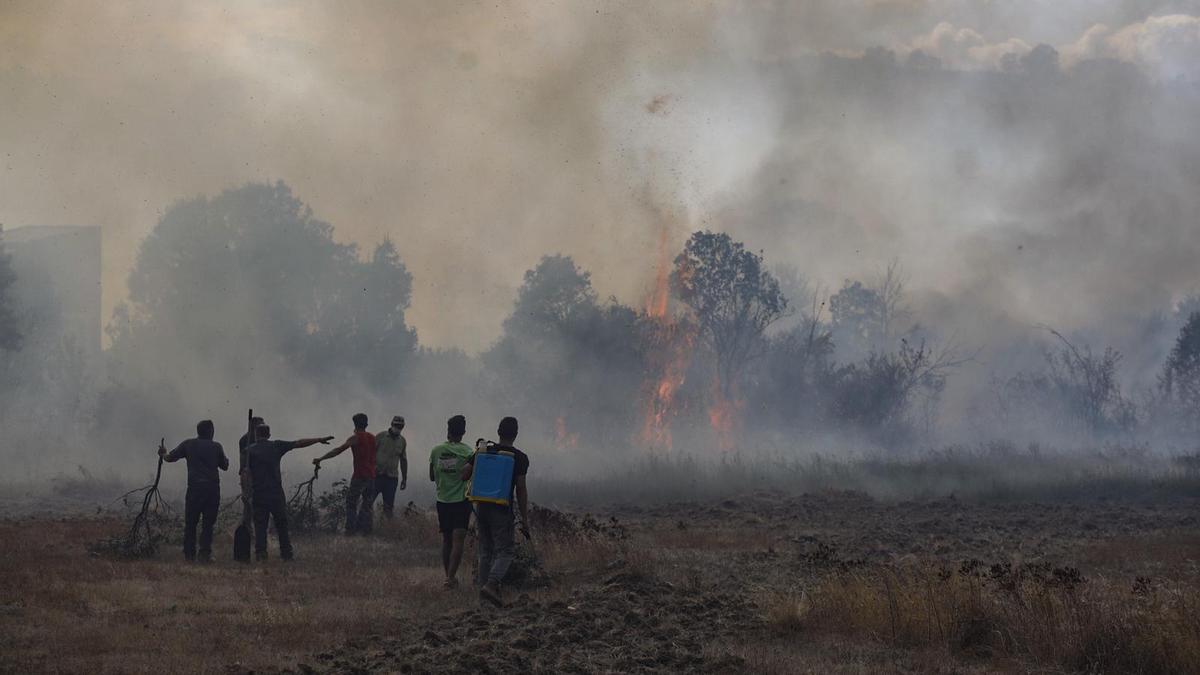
{"x": 58, "y": 282}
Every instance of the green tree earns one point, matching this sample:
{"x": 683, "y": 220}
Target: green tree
{"x": 734, "y": 300}
{"x": 249, "y": 289}
{"x": 567, "y": 358}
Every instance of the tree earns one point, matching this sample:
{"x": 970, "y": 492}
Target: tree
{"x": 10, "y": 335}
{"x": 856, "y": 315}
{"x": 878, "y": 394}
{"x": 868, "y": 319}
{"x": 249, "y": 289}
{"x": 565, "y": 355}
{"x": 733, "y": 298}
{"x": 1179, "y": 383}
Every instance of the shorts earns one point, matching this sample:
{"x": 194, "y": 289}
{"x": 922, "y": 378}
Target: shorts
{"x": 453, "y": 515}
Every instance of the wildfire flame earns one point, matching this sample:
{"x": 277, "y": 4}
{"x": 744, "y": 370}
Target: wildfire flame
{"x": 724, "y": 415}
{"x": 669, "y": 357}
{"x": 563, "y": 439}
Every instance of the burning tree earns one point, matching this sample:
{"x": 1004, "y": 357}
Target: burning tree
{"x": 734, "y": 300}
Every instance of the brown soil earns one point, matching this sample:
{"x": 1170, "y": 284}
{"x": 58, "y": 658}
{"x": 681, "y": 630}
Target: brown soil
{"x": 627, "y": 623}
{"x": 728, "y": 586}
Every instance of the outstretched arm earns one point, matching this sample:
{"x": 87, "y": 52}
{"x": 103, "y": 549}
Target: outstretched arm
{"x": 332, "y": 453}
{"x": 305, "y": 442}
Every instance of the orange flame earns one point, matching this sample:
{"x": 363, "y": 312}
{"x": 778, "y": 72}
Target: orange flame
{"x": 564, "y": 440}
{"x": 669, "y": 356}
{"x": 725, "y": 415}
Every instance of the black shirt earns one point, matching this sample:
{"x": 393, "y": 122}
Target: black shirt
{"x": 203, "y": 457}
{"x": 520, "y": 464}
{"x": 243, "y": 442}
{"x": 263, "y": 458}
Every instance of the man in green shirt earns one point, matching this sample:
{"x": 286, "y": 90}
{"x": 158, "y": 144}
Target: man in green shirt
{"x": 391, "y": 453}
{"x": 454, "y": 511}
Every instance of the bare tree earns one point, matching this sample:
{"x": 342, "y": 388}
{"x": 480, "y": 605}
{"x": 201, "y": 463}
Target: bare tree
{"x": 1088, "y": 384}
{"x": 893, "y": 303}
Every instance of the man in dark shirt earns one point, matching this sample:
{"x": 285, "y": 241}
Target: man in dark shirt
{"x": 267, "y": 498}
{"x": 245, "y": 442}
{"x": 204, "y": 457}
{"x": 494, "y": 522}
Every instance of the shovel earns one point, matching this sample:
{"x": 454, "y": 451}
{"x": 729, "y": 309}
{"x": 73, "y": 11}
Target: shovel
{"x": 241, "y": 536}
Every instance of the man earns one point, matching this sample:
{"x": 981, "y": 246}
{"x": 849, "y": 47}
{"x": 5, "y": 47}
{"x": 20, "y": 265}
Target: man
{"x": 362, "y": 481}
{"x": 267, "y": 498}
{"x": 494, "y": 522}
{"x": 391, "y": 452}
{"x": 245, "y": 441}
{"x": 204, "y": 456}
{"x": 446, "y": 462}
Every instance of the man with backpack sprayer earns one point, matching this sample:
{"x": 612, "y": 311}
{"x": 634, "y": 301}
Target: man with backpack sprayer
{"x": 204, "y": 457}
{"x": 362, "y": 481}
{"x": 446, "y": 463}
{"x": 497, "y": 472}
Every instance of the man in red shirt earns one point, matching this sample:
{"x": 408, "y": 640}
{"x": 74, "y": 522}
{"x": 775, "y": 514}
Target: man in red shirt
{"x": 362, "y": 482}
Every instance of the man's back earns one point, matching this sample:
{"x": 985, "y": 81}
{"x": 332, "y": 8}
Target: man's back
{"x": 364, "y": 454}
{"x": 263, "y": 458}
{"x": 447, "y": 461}
{"x": 204, "y": 458}
{"x": 520, "y": 464}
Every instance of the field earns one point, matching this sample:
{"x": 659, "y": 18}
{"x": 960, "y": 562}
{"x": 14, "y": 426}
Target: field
{"x": 1103, "y": 578}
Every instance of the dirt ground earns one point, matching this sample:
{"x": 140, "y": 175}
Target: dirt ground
{"x": 739, "y": 585}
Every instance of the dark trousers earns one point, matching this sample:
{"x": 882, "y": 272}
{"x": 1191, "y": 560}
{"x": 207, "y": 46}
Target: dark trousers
{"x": 494, "y": 525}
{"x": 200, "y": 502}
{"x": 271, "y": 507}
{"x": 358, "y": 518}
{"x": 386, "y": 487}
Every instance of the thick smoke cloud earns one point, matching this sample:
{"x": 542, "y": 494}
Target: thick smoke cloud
{"x": 468, "y": 132}
{"x": 1026, "y": 162}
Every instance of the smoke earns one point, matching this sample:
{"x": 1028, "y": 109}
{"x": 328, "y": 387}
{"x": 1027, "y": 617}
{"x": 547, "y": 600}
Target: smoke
{"x": 1027, "y": 162}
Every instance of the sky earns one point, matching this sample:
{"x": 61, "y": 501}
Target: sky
{"x": 480, "y": 136}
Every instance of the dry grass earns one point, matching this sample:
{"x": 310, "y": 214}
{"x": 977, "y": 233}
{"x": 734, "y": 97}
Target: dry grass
{"x": 61, "y": 610}
{"x": 1048, "y": 618}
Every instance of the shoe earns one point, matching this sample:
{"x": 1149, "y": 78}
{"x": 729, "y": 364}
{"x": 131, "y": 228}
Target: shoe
{"x": 491, "y": 593}
{"x": 450, "y": 584}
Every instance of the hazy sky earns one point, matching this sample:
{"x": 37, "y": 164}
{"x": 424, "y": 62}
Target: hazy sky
{"x": 480, "y": 136}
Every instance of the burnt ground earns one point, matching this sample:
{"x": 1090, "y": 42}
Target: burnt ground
{"x": 684, "y": 587}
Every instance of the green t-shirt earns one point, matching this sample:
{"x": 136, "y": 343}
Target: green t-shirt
{"x": 447, "y": 461}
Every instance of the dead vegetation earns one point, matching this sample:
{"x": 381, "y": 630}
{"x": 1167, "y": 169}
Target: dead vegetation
{"x": 764, "y": 582}
{"x": 1038, "y": 615}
